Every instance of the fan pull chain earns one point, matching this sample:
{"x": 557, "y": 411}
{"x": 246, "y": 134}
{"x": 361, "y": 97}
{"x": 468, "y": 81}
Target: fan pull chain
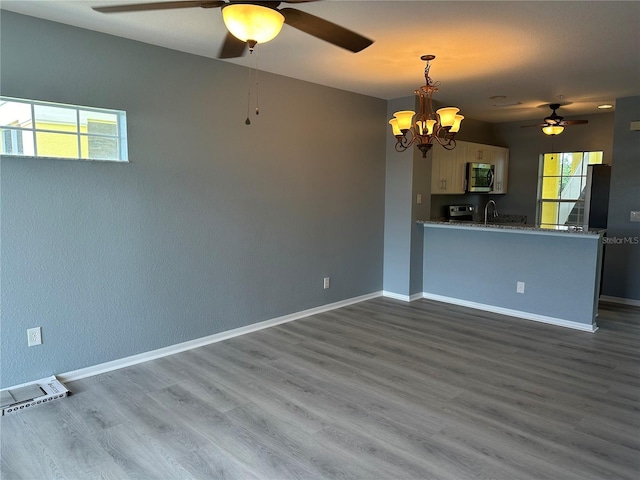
{"x": 247, "y": 121}
{"x": 252, "y": 69}
{"x": 256, "y": 68}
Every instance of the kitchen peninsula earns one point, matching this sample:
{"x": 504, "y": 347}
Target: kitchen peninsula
{"x": 550, "y": 276}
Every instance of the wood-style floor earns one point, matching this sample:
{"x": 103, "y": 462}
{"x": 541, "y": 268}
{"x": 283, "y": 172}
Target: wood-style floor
{"x": 378, "y": 390}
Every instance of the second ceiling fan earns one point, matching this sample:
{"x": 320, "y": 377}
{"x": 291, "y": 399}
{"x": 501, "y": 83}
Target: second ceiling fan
{"x": 554, "y": 124}
{"x": 263, "y": 19}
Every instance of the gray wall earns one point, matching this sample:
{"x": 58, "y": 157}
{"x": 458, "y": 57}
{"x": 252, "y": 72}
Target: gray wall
{"x": 398, "y": 200}
{"x": 483, "y": 266}
{"x": 622, "y": 258}
{"x": 213, "y": 225}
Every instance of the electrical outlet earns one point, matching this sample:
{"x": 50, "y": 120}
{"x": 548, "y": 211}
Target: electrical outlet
{"x": 419, "y": 199}
{"x": 634, "y": 216}
{"x": 520, "y": 287}
{"x": 34, "y": 336}
{"x": 326, "y": 282}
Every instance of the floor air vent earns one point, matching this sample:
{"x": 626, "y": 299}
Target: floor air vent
{"x": 18, "y": 399}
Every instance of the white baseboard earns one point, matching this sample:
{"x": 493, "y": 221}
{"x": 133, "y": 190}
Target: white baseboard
{"x": 621, "y": 300}
{"x": 396, "y": 296}
{"x": 403, "y": 298}
{"x": 513, "y": 313}
{"x": 201, "y": 342}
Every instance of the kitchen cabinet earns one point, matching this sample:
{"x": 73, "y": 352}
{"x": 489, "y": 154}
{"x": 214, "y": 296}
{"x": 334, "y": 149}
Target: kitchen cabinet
{"x": 500, "y": 158}
{"x": 449, "y": 167}
{"x": 448, "y": 170}
{"x": 477, "y": 152}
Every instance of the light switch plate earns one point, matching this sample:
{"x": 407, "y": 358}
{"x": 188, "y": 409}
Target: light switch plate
{"x": 635, "y": 216}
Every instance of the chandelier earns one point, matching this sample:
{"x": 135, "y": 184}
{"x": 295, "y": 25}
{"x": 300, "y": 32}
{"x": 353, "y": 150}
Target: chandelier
{"x": 423, "y": 128}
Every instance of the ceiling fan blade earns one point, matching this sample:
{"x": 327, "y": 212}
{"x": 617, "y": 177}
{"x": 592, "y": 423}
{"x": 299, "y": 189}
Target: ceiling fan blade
{"x": 140, "y": 7}
{"x": 325, "y": 30}
{"x": 232, "y": 47}
{"x": 573, "y": 122}
{"x": 536, "y": 125}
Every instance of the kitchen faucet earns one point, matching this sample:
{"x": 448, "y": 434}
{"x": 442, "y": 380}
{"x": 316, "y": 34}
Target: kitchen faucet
{"x": 486, "y": 209}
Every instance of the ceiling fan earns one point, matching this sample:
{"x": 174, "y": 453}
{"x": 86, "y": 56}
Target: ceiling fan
{"x": 263, "y": 18}
{"x": 554, "y": 124}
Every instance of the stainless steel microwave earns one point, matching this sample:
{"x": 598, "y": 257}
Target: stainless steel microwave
{"x": 480, "y": 177}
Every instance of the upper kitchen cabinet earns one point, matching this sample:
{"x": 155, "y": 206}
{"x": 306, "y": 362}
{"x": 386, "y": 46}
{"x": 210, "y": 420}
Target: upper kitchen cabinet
{"x": 449, "y": 167}
{"x": 477, "y": 152}
{"x": 497, "y": 156}
{"x": 448, "y": 170}
{"x": 500, "y": 158}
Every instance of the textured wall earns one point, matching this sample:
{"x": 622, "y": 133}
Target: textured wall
{"x": 484, "y": 265}
{"x": 397, "y": 218}
{"x": 212, "y": 226}
{"x": 622, "y": 255}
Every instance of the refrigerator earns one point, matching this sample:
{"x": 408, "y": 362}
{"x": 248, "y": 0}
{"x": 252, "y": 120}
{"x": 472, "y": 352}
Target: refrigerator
{"x": 596, "y": 197}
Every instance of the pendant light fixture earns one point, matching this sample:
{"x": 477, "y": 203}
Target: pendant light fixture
{"x": 425, "y": 127}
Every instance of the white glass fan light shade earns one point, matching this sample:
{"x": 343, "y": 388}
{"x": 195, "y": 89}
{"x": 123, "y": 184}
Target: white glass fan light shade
{"x": 252, "y": 22}
{"x": 553, "y": 129}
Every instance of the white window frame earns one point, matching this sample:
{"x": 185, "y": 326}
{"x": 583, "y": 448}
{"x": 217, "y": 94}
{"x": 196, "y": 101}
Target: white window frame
{"x": 569, "y": 201}
{"x": 120, "y": 136}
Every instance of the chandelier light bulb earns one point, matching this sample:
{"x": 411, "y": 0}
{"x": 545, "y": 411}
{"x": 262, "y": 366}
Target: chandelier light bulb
{"x": 405, "y": 119}
{"x": 394, "y": 127}
{"x": 455, "y": 128}
{"x": 447, "y": 116}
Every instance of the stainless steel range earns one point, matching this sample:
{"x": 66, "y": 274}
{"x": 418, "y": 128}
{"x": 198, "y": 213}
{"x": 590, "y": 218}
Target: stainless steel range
{"x": 460, "y": 213}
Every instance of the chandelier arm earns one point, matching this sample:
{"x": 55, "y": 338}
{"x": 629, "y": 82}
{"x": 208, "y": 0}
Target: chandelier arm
{"x": 400, "y": 148}
{"x": 447, "y": 139}
{"x": 405, "y": 141}
{"x": 451, "y": 145}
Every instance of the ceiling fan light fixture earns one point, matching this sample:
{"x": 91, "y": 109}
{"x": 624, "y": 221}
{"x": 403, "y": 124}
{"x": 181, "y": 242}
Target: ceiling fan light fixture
{"x": 249, "y": 22}
{"x": 553, "y": 129}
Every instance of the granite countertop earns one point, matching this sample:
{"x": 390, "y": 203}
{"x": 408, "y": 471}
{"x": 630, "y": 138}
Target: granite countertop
{"x": 512, "y": 227}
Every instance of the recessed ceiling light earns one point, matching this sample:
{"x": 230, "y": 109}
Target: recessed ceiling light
{"x": 604, "y": 106}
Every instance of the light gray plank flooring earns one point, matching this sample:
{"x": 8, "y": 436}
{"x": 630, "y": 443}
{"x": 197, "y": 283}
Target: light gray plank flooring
{"x": 378, "y": 390}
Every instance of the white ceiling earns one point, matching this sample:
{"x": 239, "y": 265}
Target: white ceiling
{"x": 588, "y": 52}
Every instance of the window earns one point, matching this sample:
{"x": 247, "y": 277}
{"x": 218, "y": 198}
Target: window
{"x": 30, "y": 128}
{"x": 563, "y": 177}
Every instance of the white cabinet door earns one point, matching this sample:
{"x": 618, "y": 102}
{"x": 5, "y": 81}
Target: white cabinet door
{"x": 477, "y": 152}
{"x": 448, "y": 170}
{"x": 500, "y": 158}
